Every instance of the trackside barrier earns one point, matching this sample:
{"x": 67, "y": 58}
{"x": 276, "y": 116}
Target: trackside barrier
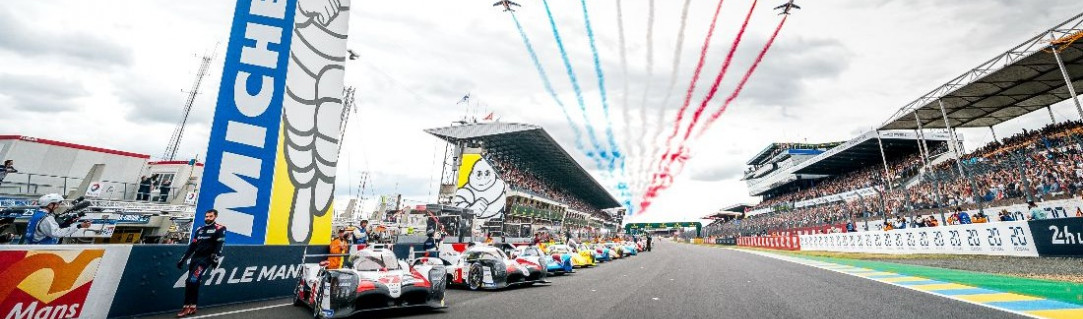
{"x": 1001, "y": 239}
{"x": 1058, "y": 237}
{"x": 772, "y": 242}
{"x": 62, "y": 281}
{"x": 152, "y": 283}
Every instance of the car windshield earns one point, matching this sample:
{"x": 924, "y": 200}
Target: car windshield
{"x": 374, "y": 261}
{"x": 529, "y": 252}
{"x": 483, "y": 255}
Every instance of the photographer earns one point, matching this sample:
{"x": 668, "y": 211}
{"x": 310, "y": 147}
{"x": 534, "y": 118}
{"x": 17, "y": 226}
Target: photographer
{"x": 43, "y": 228}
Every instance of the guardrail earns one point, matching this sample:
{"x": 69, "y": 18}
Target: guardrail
{"x": 38, "y": 184}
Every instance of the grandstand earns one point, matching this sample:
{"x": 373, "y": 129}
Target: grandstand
{"x": 921, "y": 168}
{"x": 547, "y": 190}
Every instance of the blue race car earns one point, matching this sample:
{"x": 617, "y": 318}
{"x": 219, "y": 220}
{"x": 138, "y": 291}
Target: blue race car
{"x": 630, "y": 249}
{"x": 559, "y": 264}
{"x": 601, "y": 253}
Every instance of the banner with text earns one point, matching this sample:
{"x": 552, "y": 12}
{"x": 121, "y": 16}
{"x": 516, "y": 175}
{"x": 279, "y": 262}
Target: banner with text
{"x": 274, "y": 141}
{"x": 1004, "y": 239}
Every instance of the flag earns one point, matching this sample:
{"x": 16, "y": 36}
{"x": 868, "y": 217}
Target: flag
{"x": 488, "y": 117}
{"x": 466, "y": 98}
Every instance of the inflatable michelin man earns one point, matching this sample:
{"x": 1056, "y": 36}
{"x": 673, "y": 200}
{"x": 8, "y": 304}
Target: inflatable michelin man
{"x": 484, "y": 191}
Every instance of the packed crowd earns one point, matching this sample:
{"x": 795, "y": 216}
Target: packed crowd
{"x": 1030, "y": 166}
{"x": 523, "y": 179}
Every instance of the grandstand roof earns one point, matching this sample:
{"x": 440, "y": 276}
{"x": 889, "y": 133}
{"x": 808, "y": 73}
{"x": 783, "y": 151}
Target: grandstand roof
{"x": 767, "y": 152}
{"x": 531, "y": 148}
{"x": 1019, "y": 81}
{"x": 737, "y": 208}
{"x": 864, "y": 150}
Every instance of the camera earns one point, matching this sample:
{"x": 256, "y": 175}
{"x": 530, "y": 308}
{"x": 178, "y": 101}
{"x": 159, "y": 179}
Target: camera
{"x": 74, "y": 213}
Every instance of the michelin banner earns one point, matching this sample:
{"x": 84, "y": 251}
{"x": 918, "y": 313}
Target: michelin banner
{"x": 480, "y": 188}
{"x": 274, "y": 141}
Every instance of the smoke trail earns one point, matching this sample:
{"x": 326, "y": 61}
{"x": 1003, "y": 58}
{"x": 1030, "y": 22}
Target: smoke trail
{"x": 691, "y": 87}
{"x": 615, "y": 154}
{"x": 660, "y": 111}
{"x": 578, "y": 91}
{"x": 741, "y": 85}
{"x": 549, "y": 85}
{"x": 640, "y": 144}
{"x": 625, "y": 110}
{"x": 714, "y": 87}
{"x": 682, "y": 156}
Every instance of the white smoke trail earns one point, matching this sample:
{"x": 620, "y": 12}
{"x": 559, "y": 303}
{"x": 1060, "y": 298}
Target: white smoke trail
{"x": 661, "y": 109}
{"x": 640, "y": 144}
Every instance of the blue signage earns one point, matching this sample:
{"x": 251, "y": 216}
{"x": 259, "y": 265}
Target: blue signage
{"x": 239, "y": 171}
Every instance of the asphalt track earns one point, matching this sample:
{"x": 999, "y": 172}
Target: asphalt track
{"x": 677, "y": 281}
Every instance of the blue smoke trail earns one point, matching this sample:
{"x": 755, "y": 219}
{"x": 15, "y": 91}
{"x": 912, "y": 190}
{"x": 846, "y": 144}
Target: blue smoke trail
{"x": 549, "y": 85}
{"x": 615, "y": 154}
{"x": 598, "y": 152}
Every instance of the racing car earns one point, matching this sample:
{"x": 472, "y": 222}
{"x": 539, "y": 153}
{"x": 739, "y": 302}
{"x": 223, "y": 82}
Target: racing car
{"x": 486, "y": 267}
{"x": 555, "y": 264}
{"x": 580, "y": 259}
{"x": 599, "y": 252}
{"x": 630, "y": 249}
{"x": 376, "y": 281}
{"x": 616, "y": 251}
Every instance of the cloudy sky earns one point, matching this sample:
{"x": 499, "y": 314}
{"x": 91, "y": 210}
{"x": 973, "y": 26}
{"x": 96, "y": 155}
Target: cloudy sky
{"x": 115, "y": 76}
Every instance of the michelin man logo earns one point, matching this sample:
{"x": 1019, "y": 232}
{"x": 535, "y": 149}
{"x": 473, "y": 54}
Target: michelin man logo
{"x": 483, "y": 192}
{"x": 312, "y": 108}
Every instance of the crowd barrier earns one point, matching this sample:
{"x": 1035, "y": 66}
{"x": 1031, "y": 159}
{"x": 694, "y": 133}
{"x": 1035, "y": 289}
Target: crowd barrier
{"x": 1050, "y": 237}
{"x": 106, "y": 281}
{"x": 772, "y": 242}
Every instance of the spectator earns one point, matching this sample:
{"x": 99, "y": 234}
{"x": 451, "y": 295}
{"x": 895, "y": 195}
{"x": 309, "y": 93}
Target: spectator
{"x": 360, "y": 234}
{"x": 339, "y": 246}
{"x": 143, "y": 193}
{"x": 1006, "y": 216}
{"x": 164, "y": 190}
{"x": 1036, "y": 213}
{"x": 8, "y": 167}
{"x": 980, "y": 218}
{"x": 963, "y": 216}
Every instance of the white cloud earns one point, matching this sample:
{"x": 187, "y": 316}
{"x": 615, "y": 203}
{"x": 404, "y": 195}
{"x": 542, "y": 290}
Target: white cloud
{"x": 840, "y": 67}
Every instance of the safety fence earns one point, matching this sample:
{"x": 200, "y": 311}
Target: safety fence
{"x": 106, "y": 281}
{"x": 1048, "y": 237}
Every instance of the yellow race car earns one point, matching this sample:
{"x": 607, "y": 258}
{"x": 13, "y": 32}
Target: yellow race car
{"x": 578, "y": 261}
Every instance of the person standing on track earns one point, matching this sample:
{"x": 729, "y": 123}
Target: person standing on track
{"x": 205, "y": 252}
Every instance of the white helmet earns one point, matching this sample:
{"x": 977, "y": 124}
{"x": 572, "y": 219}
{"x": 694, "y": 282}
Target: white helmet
{"x": 50, "y": 199}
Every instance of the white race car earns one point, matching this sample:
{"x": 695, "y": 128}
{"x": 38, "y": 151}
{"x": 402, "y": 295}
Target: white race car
{"x": 486, "y": 267}
{"x": 376, "y": 281}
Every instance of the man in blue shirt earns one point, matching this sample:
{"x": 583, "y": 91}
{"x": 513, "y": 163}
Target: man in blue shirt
{"x": 964, "y": 217}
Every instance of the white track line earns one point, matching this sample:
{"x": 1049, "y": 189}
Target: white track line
{"x": 240, "y": 311}
{"x": 803, "y": 261}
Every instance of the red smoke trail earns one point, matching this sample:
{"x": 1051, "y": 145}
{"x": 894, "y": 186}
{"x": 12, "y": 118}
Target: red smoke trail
{"x": 721, "y": 75}
{"x": 681, "y": 157}
{"x": 744, "y": 80}
{"x": 691, "y": 87}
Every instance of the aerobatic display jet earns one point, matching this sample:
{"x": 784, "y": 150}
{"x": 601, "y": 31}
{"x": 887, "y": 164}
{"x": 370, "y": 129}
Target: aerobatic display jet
{"x": 507, "y": 5}
{"x": 787, "y": 7}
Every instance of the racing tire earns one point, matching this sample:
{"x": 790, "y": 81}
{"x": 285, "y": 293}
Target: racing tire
{"x": 297, "y": 301}
{"x": 474, "y": 279}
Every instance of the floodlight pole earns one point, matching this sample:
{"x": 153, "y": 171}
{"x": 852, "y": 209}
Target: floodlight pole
{"x": 1067, "y": 79}
{"x": 991, "y": 130}
{"x": 1051, "y": 118}
{"x": 958, "y": 159}
{"x": 936, "y": 181}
